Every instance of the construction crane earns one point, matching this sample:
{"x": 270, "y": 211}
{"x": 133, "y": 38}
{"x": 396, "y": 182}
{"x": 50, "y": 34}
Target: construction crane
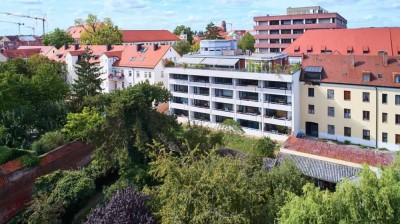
{"x": 25, "y": 16}
{"x": 32, "y": 28}
{"x": 19, "y": 25}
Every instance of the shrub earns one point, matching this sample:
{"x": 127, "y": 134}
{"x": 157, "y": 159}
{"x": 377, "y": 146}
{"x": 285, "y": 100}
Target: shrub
{"x": 8, "y": 154}
{"x": 362, "y": 146}
{"x": 383, "y": 149}
{"x": 265, "y": 147}
{"x": 48, "y": 142}
{"x": 125, "y": 206}
{"x": 169, "y": 64}
{"x": 29, "y": 160}
{"x": 346, "y": 142}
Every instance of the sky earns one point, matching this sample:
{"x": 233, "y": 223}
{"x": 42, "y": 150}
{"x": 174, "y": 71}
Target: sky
{"x": 167, "y": 14}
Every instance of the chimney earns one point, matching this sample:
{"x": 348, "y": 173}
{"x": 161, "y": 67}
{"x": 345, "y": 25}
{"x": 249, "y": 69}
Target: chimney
{"x": 384, "y": 57}
{"x": 155, "y": 47}
{"x": 66, "y": 46}
{"x": 109, "y": 47}
{"x": 352, "y": 62}
{"x": 138, "y": 47}
{"x": 76, "y": 47}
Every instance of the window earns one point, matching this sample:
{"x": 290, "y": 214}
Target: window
{"x": 123, "y": 85}
{"x": 347, "y": 131}
{"x": 311, "y": 109}
{"x": 130, "y": 73}
{"x": 331, "y": 129}
{"x": 162, "y": 74}
{"x": 384, "y": 98}
{"x": 145, "y": 74}
{"x": 331, "y": 94}
{"x": 347, "y": 113}
{"x": 366, "y": 115}
{"x": 397, "y": 79}
{"x": 397, "y": 139}
{"x": 397, "y": 118}
{"x": 366, "y": 77}
{"x": 347, "y": 95}
{"x": 365, "y": 97}
{"x": 384, "y": 117}
{"x": 366, "y": 134}
{"x": 384, "y": 137}
{"x": 331, "y": 111}
{"x": 130, "y": 84}
{"x": 310, "y": 92}
{"x": 137, "y": 74}
{"x": 149, "y": 74}
{"x": 397, "y": 100}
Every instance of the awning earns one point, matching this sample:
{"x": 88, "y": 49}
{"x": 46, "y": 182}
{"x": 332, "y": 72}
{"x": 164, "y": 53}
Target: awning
{"x": 189, "y": 60}
{"x": 220, "y": 61}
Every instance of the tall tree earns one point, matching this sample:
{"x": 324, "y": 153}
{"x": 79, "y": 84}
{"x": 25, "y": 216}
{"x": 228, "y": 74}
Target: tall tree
{"x": 178, "y": 30}
{"x": 57, "y": 38}
{"x": 212, "y": 32}
{"x": 182, "y": 47}
{"x": 89, "y": 81}
{"x": 247, "y": 42}
{"x": 99, "y": 32}
{"x": 195, "y": 47}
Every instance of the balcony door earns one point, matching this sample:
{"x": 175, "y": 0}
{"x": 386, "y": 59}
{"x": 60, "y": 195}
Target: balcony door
{"x": 312, "y": 129}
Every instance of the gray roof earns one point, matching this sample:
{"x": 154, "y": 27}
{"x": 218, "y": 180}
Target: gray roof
{"x": 316, "y": 69}
{"x": 317, "y": 169}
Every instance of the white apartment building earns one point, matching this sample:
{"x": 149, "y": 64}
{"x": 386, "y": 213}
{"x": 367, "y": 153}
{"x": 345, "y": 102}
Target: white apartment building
{"x": 121, "y": 66}
{"x": 259, "y": 92}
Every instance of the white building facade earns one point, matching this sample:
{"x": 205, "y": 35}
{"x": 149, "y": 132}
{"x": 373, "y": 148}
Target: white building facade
{"x": 209, "y": 90}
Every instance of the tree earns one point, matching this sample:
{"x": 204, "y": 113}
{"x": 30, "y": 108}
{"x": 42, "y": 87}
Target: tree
{"x": 83, "y": 125}
{"x": 195, "y": 47}
{"x": 247, "y": 42}
{"x": 372, "y": 199}
{"x": 265, "y": 147}
{"x": 99, "y": 32}
{"x": 125, "y": 206}
{"x": 88, "y": 82}
{"x": 212, "y": 32}
{"x": 57, "y": 38}
{"x": 216, "y": 189}
{"x": 187, "y": 30}
{"x": 182, "y": 47}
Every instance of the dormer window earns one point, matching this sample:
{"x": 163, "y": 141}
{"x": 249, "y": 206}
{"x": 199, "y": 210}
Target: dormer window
{"x": 365, "y": 50}
{"x": 397, "y": 78}
{"x": 366, "y": 76}
{"x": 309, "y": 49}
{"x": 296, "y": 48}
{"x": 349, "y": 50}
{"x": 323, "y": 49}
{"x": 132, "y": 59}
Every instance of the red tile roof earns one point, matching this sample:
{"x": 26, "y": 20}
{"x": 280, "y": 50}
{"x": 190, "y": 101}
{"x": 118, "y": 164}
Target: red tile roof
{"x": 339, "y": 152}
{"x": 130, "y": 36}
{"x": 23, "y": 53}
{"x": 10, "y": 167}
{"x": 337, "y": 69}
{"x": 340, "y": 40}
{"x": 125, "y": 53}
{"x": 75, "y": 31}
{"x": 43, "y": 49}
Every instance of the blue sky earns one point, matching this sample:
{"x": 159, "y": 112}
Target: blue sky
{"x": 167, "y": 14}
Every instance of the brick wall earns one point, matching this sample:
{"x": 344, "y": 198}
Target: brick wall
{"x": 16, "y": 187}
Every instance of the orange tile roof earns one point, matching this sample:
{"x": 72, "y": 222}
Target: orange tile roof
{"x": 125, "y": 53}
{"x": 130, "y": 36}
{"x": 339, "y": 152}
{"x": 337, "y": 69}
{"x": 75, "y": 31}
{"x": 340, "y": 40}
{"x": 43, "y": 49}
{"x": 10, "y": 167}
{"x": 22, "y": 53}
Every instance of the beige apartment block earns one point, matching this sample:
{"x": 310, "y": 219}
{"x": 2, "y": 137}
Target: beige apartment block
{"x": 352, "y": 98}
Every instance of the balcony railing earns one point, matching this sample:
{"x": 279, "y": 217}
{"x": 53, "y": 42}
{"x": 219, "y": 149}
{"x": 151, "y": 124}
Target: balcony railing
{"x": 286, "y": 70}
{"x": 116, "y": 77}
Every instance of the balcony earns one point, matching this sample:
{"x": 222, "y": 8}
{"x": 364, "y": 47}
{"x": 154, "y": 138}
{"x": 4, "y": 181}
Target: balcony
{"x": 116, "y": 77}
{"x": 201, "y": 104}
{"x": 201, "y": 91}
{"x": 180, "y": 89}
{"x": 248, "y": 96}
{"x": 180, "y": 100}
{"x": 223, "y": 81}
{"x": 277, "y": 129}
{"x": 253, "y": 125}
{"x": 201, "y": 116}
{"x": 277, "y": 99}
{"x": 200, "y": 79}
{"x": 179, "y": 77}
{"x": 223, "y": 106}
{"x": 228, "y": 94}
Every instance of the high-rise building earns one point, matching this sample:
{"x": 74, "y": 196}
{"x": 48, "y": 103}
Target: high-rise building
{"x": 275, "y": 33}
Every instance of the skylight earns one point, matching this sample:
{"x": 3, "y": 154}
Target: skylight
{"x": 132, "y": 59}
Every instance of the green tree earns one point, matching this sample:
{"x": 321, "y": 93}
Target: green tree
{"x": 83, "y": 125}
{"x": 212, "y": 32}
{"x": 265, "y": 147}
{"x": 89, "y": 81}
{"x": 182, "y": 47}
{"x": 247, "y": 42}
{"x": 99, "y": 32}
{"x": 178, "y": 30}
{"x": 57, "y": 38}
{"x": 215, "y": 189}
{"x": 371, "y": 199}
{"x": 195, "y": 47}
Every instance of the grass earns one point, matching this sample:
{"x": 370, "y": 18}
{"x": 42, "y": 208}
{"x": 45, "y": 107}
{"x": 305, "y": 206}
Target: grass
{"x": 241, "y": 143}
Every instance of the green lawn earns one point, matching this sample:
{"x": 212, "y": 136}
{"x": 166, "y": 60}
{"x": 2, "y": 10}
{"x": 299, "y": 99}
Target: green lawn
{"x": 240, "y": 142}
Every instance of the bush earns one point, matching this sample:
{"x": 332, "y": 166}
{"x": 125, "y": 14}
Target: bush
{"x": 126, "y": 206}
{"x": 7, "y": 154}
{"x": 29, "y": 160}
{"x": 362, "y": 146}
{"x": 265, "y": 147}
{"x": 169, "y": 64}
{"x": 48, "y": 142}
{"x": 346, "y": 142}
